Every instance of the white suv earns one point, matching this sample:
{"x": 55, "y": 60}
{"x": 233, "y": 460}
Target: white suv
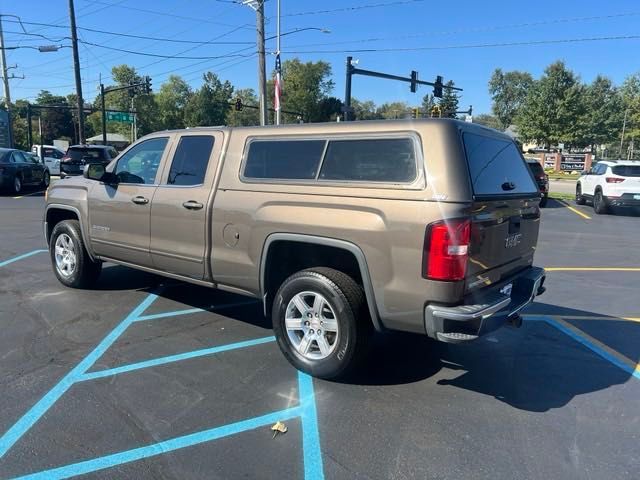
{"x": 610, "y": 183}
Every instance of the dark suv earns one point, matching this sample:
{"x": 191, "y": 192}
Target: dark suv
{"x": 78, "y": 156}
{"x": 542, "y": 179}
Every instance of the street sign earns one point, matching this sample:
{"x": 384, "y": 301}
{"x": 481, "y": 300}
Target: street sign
{"x": 120, "y": 117}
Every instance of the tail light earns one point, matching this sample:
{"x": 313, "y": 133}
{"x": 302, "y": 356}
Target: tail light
{"x": 614, "y": 180}
{"x": 446, "y": 250}
{"x": 66, "y": 158}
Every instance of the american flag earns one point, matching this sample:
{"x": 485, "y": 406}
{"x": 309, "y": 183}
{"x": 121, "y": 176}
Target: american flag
{"x": 278, "y": 83}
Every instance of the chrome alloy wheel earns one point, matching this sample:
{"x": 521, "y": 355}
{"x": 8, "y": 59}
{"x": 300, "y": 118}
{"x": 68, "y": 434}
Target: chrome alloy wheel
{"x": 312, "y": 326}
{"x": 65, "y": 254}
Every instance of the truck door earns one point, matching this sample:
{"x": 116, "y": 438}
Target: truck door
{"x": 119, "y": 215}
{"x": 181, "y": 207}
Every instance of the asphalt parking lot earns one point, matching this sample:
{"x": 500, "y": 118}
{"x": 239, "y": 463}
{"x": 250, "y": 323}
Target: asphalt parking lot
{"x": 145, "y": 378}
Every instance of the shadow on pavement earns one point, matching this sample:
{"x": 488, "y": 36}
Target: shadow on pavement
{"x": 540, "y": 367}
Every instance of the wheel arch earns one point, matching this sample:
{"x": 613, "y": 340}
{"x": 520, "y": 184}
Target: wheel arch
{"x": 56, "y": 213}
{"x": 350, "y": 248}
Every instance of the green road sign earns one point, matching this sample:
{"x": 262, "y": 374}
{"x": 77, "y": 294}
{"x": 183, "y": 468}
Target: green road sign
{"x": 120, "y": 117}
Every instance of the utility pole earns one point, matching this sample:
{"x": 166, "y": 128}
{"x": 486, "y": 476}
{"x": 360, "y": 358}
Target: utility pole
{"x": 5, "y": 83}
{"x": 262, "y": 73}
{"x": 278, "y": 105}
{"x": 104, "y": 115}
{"x": 76, "y": 68}
{"x": 624, "y": 126}
{"x": 347, "y": 90}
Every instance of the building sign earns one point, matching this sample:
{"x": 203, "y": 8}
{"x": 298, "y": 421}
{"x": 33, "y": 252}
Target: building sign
{"x": 550, "y": 160}
{"x": 5, "y": 134}
{"x": 573, "y": 162}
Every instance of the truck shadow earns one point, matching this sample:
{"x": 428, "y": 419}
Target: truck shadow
{"x": 539, "y": 367}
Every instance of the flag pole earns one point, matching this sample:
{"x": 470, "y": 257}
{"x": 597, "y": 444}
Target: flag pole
{"x": 278, "y": 83}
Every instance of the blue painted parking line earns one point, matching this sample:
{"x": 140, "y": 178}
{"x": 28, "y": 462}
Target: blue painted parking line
{"x": 306, "y": 410}
{"x": 189, "y": 311}
{"x": 582, "y": 338}
{"x": 21, "y": 257}
{"x": 173, "y": 358}
{"x": 39, "y": 409}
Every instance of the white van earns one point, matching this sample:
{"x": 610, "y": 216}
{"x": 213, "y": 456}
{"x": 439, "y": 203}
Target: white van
{"x": 52, "y": 156}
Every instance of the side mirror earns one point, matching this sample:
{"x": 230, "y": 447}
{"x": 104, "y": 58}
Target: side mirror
{"x": 584, "y": 172}
{"x": 96, "y": 171}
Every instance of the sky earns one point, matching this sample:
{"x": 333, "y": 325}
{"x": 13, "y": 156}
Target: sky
{"x": 463, "y": 41}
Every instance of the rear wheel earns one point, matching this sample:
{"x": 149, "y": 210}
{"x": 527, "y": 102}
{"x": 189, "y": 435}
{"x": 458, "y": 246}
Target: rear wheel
{"x": 580, "y": 200}
{"x": 599, "y": 205}
{"x": 17, "y": 184}
{"x": 71, "y": 263}
{"x": 543, "y": 201}
{"x": 321, "y": 322}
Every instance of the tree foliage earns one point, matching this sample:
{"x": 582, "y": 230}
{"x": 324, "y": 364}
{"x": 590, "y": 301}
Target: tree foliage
{"x": 364, "y": 110}
{"x": 508, "y": 92}
{"x": 305, "y": 86}
{"x": 172, "y": 98}
{"x": 209, "y": 104}
{"x": 247, "y": 116}
{"x": 487, "y": 120}
{"x": 393, "y": 110}
{"x": 449, "y": 101}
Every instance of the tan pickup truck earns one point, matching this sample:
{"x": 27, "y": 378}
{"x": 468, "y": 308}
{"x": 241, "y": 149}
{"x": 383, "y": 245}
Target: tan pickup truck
{"x": 340, "y": 229}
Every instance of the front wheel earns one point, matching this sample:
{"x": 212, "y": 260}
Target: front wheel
{"x": 321, "y": 322}
{"x": 580, "y": 200}
{"x": 71, "y": 263}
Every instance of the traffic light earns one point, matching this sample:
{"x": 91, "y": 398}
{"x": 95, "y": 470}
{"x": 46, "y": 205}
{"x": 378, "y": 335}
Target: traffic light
{"x": 132, "y": 90}
{"x": 414, "y": 80}
{"x": 437, "y": 88}
{"x": 239, "y": 105}
{"x": 436, "y": 111}
{"x": 146, "y": 88}
{"x": 415, "y": 113}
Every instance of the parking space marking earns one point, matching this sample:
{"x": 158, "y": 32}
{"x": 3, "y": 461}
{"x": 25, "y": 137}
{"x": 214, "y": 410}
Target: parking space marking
{"x": 574, "y": 210}
{"x": 28, "y": 194}
{"x": 167, "y": 446}
{"x": 306, "y": 409}
{"x": 604, "y": 351}
{"x": 174, "y": 358}
{"x": 599, "y": 317}
{"x": 189, "y": 311}
{"x": 20, "y": 257}
{"x": 45, "y": 403}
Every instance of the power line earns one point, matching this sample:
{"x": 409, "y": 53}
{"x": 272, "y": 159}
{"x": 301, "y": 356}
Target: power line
{"x": 354, "y": 8}
{"x": 482, "y": 45}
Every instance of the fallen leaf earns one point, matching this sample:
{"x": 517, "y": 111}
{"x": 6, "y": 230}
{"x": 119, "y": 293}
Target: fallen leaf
{"x": 279, "y": 427}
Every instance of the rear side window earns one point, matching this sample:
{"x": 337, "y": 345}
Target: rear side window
{"x": 370, "y": 160}
{"x": 78, "y": 154}
{"x": 536, "y": 168}
{"x": 626, "y": 170}
{"x": 190, "y": 161}
{"x": 284, "y": 159}
{"x": 496, "y": 166}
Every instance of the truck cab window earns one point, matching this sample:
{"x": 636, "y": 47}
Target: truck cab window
{"x": 140, "y": 164}
{"x": 189, "y": 165}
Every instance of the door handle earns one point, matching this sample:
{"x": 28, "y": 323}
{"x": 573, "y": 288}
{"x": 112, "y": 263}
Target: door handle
{"x": 140, "y": 200}
{"x": 192, "y": 205}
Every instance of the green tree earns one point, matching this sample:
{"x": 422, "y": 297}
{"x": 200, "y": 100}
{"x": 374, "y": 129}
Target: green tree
{"x": 393, "y": 110}
{"x": 210, "y": 103}
{"x": 305, "y": 86}
{"x": 552, "y": 108}
{"x": 56, "y": 123}
{"x": 329, "y": 109}
{"x": 428, "y": 102}
{"x": 603, "y": 112}
{"x": 508, "y": 91}
{"x": 630, "y": 93}
{"x": 247, "y": 116}
{"x": 449, "y": 101}
{"x": 172, "y": 99}
{"x": 364, "y": 110}
{"x": 487, "y": 120}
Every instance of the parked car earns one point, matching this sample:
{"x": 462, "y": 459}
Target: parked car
{"x": 542, "y": 179}
{"x": 78, "y": 156}
{"x": 51, "y": 156}
{"x": 610, "y": 183}
{"x": 426, "y": 226}
{"x": 19, "y": 169}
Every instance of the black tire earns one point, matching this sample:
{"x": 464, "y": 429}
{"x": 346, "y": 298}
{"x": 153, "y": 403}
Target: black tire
{"x": 46, "y": 179}
{"x": 580, "y": 200}
{"x": 354, "y": 328}
{"x": 17, "y": 184}
{"x": 85, "y": 272}
{"x": 599, "y": 203}
{"x": 543, "y": 201}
